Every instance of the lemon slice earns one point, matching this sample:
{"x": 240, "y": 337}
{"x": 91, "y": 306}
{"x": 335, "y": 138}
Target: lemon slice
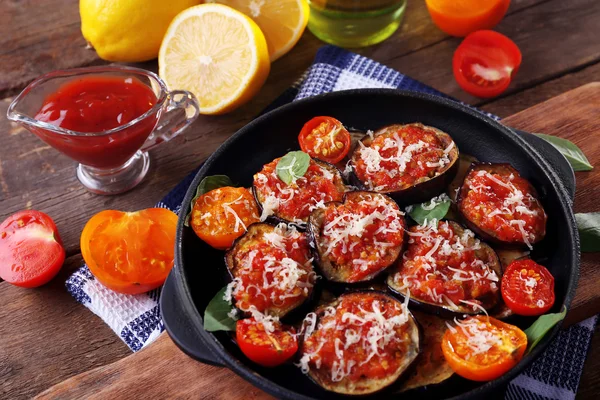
{"x": 217, "y": 53}
{"x": 282, "y": 21}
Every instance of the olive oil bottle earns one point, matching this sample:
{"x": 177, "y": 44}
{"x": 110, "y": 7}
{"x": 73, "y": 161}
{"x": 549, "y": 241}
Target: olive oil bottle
{"x": 355, "y": 23}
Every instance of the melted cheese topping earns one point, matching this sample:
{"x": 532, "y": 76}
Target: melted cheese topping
{"x": 443, "y": 267}
{"x": 354, "y": 335}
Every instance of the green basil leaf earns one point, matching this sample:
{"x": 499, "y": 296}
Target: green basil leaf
{"x": 206, "y": 185}
{"x": 292, "y": 166}
{"x": 541, "y": 326}
{"x": 424, "y": 211}
{"x": 572, "y": 153}
{"x": 216, "y": 315}
{"x": 589, "y": 231}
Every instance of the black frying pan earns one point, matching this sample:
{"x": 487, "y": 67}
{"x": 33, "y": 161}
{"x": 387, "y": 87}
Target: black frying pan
{"x": 199, "y": 269}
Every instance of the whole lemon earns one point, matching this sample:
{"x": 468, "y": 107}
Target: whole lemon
{"x": 128, "y": 30}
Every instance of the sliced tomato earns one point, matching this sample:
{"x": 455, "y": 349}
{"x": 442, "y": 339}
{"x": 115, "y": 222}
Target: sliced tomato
{"x": 130, "y": 252}
{"x": 31, "y": 251}
{"x": 485, "y": 62}
{"x": 325, "y": 138}
{"x": 222, "y": 215}
{"x": 268, "y": 349}
{"x": 482, "y": 348}
{"x": 528, "y": 288}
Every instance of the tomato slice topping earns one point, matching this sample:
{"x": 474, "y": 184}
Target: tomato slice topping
{"x": 130, "y": 252}
{"x": 482, "y": 348}
{"x": 325, "y": 138}
{"x": 528, "y": 288}
{"x": 268, "y": 349}
{"x": 31, "y": 251}
{"x": 222, "y": 215}
{"x": 485, "y": 62}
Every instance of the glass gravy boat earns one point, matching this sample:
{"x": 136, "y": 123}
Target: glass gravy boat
{"x": 115, "y": 160}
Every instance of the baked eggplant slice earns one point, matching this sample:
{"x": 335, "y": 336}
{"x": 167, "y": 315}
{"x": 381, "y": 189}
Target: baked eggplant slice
{"x": 356, "y": 240}
{"x": 431, "y": 368}
{"x": 501, "y": 206}
{"x": 446, "y": 271}
{"x": 282, "y": 202}
{"x": 271, "y": 270}
{"x": 411, "y": 163}
{"x": 346, "y": 344}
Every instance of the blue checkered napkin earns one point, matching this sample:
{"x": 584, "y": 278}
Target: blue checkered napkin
{"x": 136, "y": 319}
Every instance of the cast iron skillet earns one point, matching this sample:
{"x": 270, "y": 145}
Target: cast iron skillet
{"x": 199, "y": 269}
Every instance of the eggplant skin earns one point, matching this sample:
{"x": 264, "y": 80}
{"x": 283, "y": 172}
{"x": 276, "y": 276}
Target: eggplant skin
{"x": 423, "y": 190}
{"x": 276, "y": 217}
{"x": 490, "y": 301}
{"x": 368, "y": 386}
{"x": 326, "y": 267}
{"x": 253, "y": 234}
{"x": 488, "y": 235}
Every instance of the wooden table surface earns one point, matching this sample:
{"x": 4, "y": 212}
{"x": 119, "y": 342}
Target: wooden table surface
{"x": 48, "y": 337}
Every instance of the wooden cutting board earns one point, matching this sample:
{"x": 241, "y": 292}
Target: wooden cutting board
{"x": 162, "y": 370}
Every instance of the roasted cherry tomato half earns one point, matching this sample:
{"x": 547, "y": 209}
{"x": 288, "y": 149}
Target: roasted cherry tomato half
{"x": 130, "y": 252}
{"x": 325, "y": 138}
{"x": 482, "y": 348}
{"x": 528, "y": 288}
{"x": 267, "y": 348}
{"x": 31, "y": 251}
{"x": 222, "y": 215}
{"x": 485, "y": 62}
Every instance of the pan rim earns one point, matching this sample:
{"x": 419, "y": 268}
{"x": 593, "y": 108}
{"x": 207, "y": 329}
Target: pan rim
{"x": 282, "y": 392}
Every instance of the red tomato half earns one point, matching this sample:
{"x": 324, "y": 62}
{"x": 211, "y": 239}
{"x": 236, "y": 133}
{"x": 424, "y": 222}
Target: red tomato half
{"x": 528, "y": 288}
{"x": 485, "y": 62}
{"x": 325, "y": 138}
{"x": 31, "y": 251}
{"x": 268, "y": 349}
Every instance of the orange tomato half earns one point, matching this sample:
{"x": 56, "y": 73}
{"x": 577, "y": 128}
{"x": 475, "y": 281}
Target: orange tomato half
{"x": 483, "y": 348}
{"x": 130, "y": 252}
{"x": 461, "y": 17}
{"x": 223, "y": 214}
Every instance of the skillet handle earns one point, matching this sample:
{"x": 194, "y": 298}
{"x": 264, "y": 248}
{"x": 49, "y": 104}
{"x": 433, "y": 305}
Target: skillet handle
{"x": 179, "y": 327}
{"x": 557, "y": 161}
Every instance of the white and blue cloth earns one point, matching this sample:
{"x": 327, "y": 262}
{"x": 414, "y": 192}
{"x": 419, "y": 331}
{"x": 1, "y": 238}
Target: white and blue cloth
{"x": 136, "y": 318}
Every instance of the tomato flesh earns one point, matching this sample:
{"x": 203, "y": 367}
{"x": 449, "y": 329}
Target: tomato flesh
{"x": 325, "y": 138}
{"x": 31, "y": 253}
{"x": 266, "y": 348}
{"x": 482, "y": 348}
{"x": 485, "y": 62}
{"x": 222, "y": 215}
{"x": 130, "y": 252}
{"x": 528, "y": 288}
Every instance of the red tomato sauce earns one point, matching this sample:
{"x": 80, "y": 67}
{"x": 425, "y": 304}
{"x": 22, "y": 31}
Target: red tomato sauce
{"x": 96, "y": 104}
{"x": 389, "y": 173}
{"x": 274, "y": 277}
{"x": 442, "y": 267}
{"x": 375, "y": 247}
{"x": 298, "y": 199}
{"x": 485, "y": 205}
{"x": 339, "y": 334}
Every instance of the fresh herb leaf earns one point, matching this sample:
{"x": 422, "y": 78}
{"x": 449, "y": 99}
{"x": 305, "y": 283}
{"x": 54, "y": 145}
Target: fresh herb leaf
{"x": 206, "y": 185}
{"x": 216, "y": 315}
{"x": 541, "y": 326}
{"x": 292, "y": 166}
{"x": 436, "y": 208}
{"x": 572, "y": 153}
{"x": 589, "y": 231}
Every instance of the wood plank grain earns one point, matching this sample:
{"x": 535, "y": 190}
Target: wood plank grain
{"x": 569, "y": 116}
{"x": 38, "y": 37}
{"x": 124, "y": 379}
{"x": 47, "y": 337}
